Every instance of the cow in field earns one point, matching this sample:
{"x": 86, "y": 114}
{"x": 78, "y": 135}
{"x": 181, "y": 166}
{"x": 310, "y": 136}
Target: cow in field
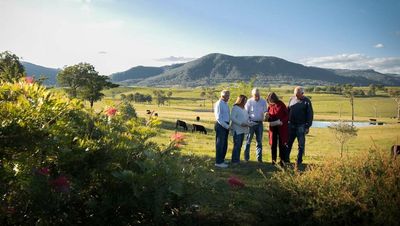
{"x": 199, "y": 128}
{"x": 180, "y": 123}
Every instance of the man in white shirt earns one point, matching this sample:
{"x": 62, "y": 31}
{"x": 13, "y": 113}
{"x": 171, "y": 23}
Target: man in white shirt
{"x": 256, "y": 108}
{"x": 222, "y": 117}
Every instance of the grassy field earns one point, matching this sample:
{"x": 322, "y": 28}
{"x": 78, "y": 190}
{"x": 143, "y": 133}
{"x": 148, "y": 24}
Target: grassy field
{"x": 219, "y": 201}
{"x": 186, "y": 104}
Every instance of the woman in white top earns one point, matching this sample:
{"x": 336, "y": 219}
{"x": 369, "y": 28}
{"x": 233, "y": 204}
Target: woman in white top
{"x": 240, "y": 126}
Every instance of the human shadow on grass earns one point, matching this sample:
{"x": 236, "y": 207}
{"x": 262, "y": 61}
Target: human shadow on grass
{"x": 222, "y": 202}
{"x": 244, "y": 168}
{"x": 253, "y": 166}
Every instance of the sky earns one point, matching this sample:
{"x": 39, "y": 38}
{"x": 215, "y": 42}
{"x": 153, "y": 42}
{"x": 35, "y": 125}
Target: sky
{"x": 115, "y": 35}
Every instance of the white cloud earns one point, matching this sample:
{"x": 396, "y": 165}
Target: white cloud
{"x": 356, "y": 61}
{"x": 175, "y": 59}
{"x": 55, "y": 33}
{"x": 379, "y": 45}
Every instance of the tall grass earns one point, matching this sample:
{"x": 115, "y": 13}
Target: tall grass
{"x": 362, "y": 190}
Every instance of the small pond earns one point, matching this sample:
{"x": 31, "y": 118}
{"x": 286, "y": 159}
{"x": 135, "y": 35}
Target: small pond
{"x": 325, "y": 124}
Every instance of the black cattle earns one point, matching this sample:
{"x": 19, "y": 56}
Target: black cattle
{"x": 198, "y": 118}
{"x": 395, "y": 150}
{"x": 199, "y": 128}
{"x": 155, "y": 114}
{"x": 148, "y": 112}
{"x": 181, "y": 124}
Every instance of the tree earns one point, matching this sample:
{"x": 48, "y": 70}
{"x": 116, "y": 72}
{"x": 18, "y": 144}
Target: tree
{"x": 160, "y": 96}
{"x": 241, "y": 88}
{"x": 11, "y": 68}
{"x": 127, "y": 110}
{"x": 72, "y": 77}
{"x": 343, "y": 132}
{"x": 92, "y": 87}
{"x": 372, "y": 90}
{"x": 349, "y": 93}
{"x": 395, "y": 94}
{"x": 203, "y": 96}
{"x": 317, "y": 89}
{"x": 83, "y": 81}
{"x": 169, "y": 94}
{"x": 131, "y": 97}
{"x": 148, "y": 98}
{"x": 123, "y": 97}
{"x": 210, "y": 94}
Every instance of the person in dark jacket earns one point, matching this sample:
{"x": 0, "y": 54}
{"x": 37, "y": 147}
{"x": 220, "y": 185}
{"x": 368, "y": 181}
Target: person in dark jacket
{"x": 278, "y": 127}
{"x": 300, "y": 120}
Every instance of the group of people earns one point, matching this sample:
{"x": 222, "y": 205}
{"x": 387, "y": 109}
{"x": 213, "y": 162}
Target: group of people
{"x": 286, "y": 123}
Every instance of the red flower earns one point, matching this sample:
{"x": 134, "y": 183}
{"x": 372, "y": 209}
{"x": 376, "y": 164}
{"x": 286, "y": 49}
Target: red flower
{"x": 29, "y": 80}
{"x": 177, "y": 137}
{"x": 60, "y": 184}
{"x": 111, "y": 111}
{"x": 235, "y": 182}
{"x": 44, "y": 171}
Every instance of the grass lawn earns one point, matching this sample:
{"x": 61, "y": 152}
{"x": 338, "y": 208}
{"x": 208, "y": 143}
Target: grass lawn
{"x": 186, "y": 105}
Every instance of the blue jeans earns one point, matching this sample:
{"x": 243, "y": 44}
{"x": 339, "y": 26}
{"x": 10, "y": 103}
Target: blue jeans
{"x": 237, "y": 146}
{"x": 296, "y": 131}
{"x": 258, "y": 130}
{"x": 221, "y": 143}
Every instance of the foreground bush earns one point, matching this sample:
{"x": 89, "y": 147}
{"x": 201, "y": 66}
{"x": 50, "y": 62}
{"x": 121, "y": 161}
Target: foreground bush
{"x": 64, "y": 165}
{"x": 359, "y": 191}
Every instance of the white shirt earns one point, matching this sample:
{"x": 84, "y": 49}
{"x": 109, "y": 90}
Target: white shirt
{"x": 222, "y": 113}
{"x": 256, "y": 109}
{"x": 239, "y": 116}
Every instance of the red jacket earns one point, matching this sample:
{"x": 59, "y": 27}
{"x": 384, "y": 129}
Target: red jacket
{"x": 279, "y": 111}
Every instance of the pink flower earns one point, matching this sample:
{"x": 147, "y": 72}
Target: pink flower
{"x": 235, "y": 182}
{"x": 177, "y": 137}
{"x": 111, "y": 111}
{"x": 60, "y": 184}
{"x": 29, "y": 80}
{"x": 44, "y": 171}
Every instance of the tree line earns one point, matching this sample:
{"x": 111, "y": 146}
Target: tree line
{"x": 341, "y": 89}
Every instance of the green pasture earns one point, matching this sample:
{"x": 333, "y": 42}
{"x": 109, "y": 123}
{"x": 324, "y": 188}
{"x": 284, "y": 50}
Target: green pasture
{"x": 219, "y": 202}
{"x": 222, "y": 202}
{"x": 186, "y": 104}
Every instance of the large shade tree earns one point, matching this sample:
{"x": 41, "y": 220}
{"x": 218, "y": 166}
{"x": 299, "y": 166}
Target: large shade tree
{"x": 11, "y": 68}
{"x": 83, "y": 81}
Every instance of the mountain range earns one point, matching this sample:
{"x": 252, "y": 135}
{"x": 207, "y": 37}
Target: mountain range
{"x": 217, "y": 68}
{"x": 50, "y": 74}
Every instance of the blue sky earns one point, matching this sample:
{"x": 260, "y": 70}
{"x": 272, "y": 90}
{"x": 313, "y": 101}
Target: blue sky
{"x": 116, "y": 35}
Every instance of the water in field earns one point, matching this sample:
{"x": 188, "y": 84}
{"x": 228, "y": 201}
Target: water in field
{"x": 325, "y": 124}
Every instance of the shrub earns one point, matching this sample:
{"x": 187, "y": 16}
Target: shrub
{"x": 62, "y": 164}
{"x": 127, "y": 110}
{"x": 355, "y": 191}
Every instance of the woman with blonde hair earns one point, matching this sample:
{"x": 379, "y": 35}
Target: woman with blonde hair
{"x": 240, "y": 126}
